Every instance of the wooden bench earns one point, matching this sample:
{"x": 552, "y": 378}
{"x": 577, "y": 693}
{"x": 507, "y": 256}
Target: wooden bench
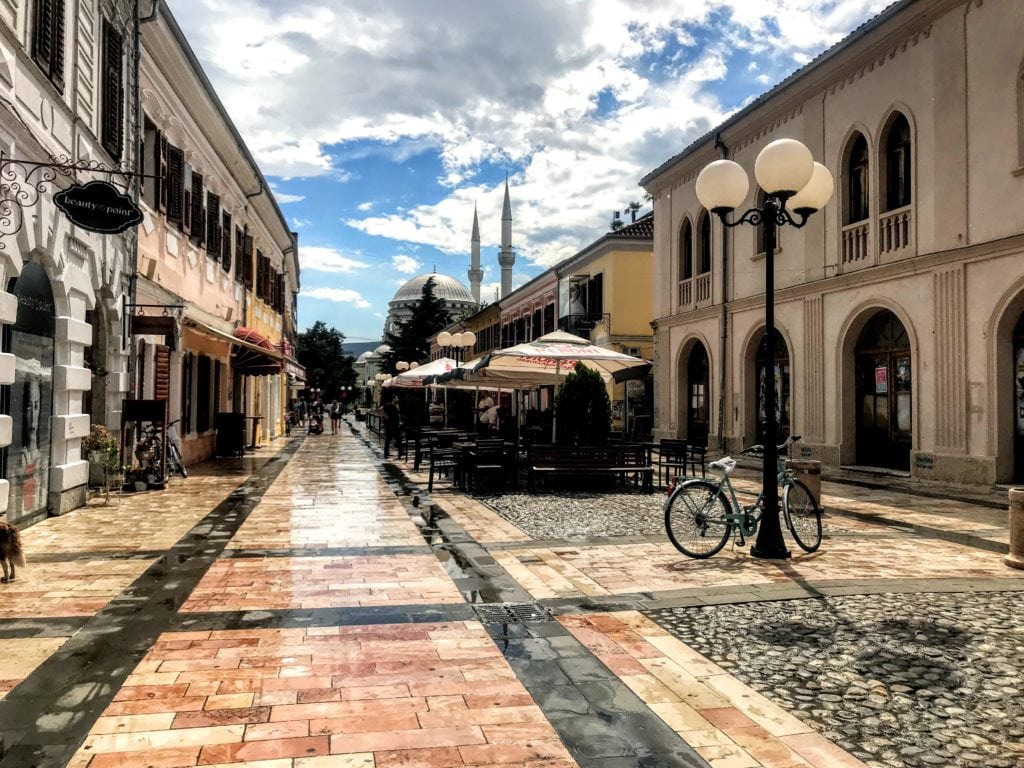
{"x": 624, "y": 460}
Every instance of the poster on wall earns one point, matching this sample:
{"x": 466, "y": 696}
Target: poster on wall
{"x": 28, "y": 458}
{"x": 1018, "y": 385}
{"x": 27, "y": 468}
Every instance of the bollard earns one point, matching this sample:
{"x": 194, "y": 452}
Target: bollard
{"x": 808, "y": 472}
{"x": 1016, "y": 557}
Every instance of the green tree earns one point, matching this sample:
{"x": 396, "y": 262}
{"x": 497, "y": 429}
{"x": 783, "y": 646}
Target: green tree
{"x": 582, "y": 408}
{"x": 409, "y": 342}
{"x": 320, "y": 352}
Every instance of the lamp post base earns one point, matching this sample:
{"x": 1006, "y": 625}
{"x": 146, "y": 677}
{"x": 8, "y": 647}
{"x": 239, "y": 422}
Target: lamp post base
{"x": 770, "y": 554}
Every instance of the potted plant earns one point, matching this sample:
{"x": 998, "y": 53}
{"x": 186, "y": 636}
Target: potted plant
{"x": 101, "y": 449}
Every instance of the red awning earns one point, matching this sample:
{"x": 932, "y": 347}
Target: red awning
{"x": 254, "y": 355}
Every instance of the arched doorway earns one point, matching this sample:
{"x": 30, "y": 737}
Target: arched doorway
{"x": 30, "y": 398}
{"x": 884, "y": 400}
{"x": 1018, "y": 400}
{"x": 780, "y": 377}
{"x": 697, "y": 378}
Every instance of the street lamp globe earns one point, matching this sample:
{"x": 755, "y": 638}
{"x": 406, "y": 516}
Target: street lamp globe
{"x": 815, "y": 194}
{"x": 444, "y": 339}
{"x": 413, "y": 365}
{"x": 722, "y": 186}
{"x": 401, "y": 365}
{"x": 468, "y": 338}
{"x": 456, "y": 340}
{"x": 784, "y": 167}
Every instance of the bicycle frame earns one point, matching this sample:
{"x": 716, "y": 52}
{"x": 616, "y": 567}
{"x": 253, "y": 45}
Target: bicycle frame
{"x": 745, "y": 519}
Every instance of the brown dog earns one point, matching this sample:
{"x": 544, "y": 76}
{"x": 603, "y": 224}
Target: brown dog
{"x": 10, "y": 551}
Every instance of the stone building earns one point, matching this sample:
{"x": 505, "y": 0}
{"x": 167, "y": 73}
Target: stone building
{"x": 66, "y": 83}
{"x": 899, "y": 305}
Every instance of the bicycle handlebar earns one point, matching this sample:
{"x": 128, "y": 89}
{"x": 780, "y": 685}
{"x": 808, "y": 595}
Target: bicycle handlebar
{"x": 758, "y": 449}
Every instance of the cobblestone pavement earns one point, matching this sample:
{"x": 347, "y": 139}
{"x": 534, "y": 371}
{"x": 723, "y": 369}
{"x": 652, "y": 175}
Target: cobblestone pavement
{"x": 311, "y": 606}
{"x": 897, "y": 680}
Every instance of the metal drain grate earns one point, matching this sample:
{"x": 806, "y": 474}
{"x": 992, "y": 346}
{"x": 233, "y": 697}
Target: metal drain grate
{"x": 511, "y": 613}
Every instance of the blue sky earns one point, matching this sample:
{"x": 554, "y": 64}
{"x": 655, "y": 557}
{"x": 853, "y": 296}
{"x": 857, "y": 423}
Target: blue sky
{"x": 381, "y": 125}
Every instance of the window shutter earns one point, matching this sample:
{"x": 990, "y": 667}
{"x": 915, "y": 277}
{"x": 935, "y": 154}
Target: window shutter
{"x": 198, "y": 212}
{"x": 162, "y": 373}
{"x": 48, "y": 40}
{"x": 112, "y": 108}
{"x": 225, "y": 246}
{"x": 160, "y": 166}
{"x": 175, "y": 184}
{"x": 247, "y": 267}
{"x": 212, "y": 226}
{"x": 239, "y": 255}
{"x": 259, "y": 275}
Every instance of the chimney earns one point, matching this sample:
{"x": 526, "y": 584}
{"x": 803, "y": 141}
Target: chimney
{"x": 632, "y": 213}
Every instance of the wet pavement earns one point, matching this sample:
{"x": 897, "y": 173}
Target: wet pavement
{"x": 311, "y": 606}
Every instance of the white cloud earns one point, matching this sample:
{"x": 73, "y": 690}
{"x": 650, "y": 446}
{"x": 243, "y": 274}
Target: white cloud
{"x": 320, "y": 259}
{"x": 284, "y": 198}
{"x": 407, "y": 265}
{"x": 299, "y": 223}
{"x": 338, "y": 295}
{"x": 293, "y": 78}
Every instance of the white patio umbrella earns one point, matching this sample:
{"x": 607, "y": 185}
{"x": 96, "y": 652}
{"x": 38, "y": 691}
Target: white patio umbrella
{"x": 549, "y": 359}
{"x": 422, "y": 375}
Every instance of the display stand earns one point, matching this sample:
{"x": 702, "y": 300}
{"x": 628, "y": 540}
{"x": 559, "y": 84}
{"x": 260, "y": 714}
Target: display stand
{"x": 144, "y": 429}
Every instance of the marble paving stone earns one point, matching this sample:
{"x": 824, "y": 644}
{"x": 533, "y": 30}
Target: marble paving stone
{"x": 18, "y": 657}
{"x": 398, "y": 695}
{"x": 322, "y": 582}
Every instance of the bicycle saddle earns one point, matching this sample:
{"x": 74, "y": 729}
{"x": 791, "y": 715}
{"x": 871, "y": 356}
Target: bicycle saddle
{"x": 726, "y": 463}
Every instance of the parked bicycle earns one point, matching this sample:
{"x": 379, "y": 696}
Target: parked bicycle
{"x": 701, "y": 515}
{"x": 148, "y": 451}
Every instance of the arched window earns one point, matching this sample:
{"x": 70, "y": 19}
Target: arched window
{"x": 857, "y": 180}
{"x": 686, "y": 250}
{"x": 704, "y": 244}
{"x": 897, "y": 164}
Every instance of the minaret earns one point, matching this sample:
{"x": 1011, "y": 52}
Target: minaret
{"x": 475, "y": 273}
{"x": 506, "y": 256}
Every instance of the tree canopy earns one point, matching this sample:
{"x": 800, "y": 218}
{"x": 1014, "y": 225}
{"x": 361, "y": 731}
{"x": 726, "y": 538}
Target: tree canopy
{"x": 410, "y": 341}
{"x": 327, "y": 366}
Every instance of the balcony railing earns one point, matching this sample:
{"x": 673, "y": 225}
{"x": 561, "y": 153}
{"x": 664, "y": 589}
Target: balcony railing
{"x": 856, "y": 243}
{"x": 686, "y": 293}
{"x": 895, "y": 232}
{"x": 704, "y": 288}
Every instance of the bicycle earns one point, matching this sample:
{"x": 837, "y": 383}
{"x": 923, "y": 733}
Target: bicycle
{"x": 699, "y": 513}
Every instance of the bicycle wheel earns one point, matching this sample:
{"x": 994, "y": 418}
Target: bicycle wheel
{"x": 803, "y": 518}
{"x": 174, "y": 459}
{"x": 695, "y": 519}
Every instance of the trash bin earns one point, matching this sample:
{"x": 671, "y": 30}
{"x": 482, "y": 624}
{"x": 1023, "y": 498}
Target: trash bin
{"x": 808, "y": 472}
{"x": 230, "y": 434}
{"x": 1015, "y": 558}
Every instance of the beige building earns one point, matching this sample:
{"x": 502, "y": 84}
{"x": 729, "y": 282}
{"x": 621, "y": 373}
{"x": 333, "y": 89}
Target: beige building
{"x": 214, "y": 252}
{"x": 899, "y": 306}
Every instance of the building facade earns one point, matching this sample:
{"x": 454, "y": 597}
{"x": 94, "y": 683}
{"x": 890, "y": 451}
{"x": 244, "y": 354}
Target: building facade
{"x": 66, "y": 83}
{"x": 215, "y": 253}
{"x": 899, "y": 305}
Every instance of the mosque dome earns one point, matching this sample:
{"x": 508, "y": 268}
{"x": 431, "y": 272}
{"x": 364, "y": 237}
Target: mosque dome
{"x": 446, "y": 288}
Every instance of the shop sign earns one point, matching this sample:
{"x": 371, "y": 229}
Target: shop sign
{"x": 152, "y": 325}
{"x": 98, "y": 207}
{"x": 881, "y": 380}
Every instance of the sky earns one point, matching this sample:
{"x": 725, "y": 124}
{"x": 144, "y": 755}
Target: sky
{"x": 381, "y": 125}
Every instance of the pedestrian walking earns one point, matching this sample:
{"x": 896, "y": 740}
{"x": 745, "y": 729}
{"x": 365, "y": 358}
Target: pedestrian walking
{"x": 392, "y": 425}
{"x": 335, "y": 416}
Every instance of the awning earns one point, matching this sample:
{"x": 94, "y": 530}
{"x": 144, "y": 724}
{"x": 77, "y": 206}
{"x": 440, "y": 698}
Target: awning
{"x": 253, "y": 354}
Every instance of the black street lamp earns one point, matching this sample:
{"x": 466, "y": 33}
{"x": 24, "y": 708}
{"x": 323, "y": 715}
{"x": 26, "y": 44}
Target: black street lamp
{"x": 792, "y": 181}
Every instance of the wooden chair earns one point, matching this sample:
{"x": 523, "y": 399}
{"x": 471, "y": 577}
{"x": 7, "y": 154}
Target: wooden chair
{"x": 486, "y": 458}
{"x": 444, "y": 462}
{"x": 672, "y": 458}
{"x": 696, "y": 456}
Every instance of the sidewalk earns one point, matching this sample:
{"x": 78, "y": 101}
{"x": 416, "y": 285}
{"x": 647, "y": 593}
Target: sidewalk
{"x": 295, "y": 610}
